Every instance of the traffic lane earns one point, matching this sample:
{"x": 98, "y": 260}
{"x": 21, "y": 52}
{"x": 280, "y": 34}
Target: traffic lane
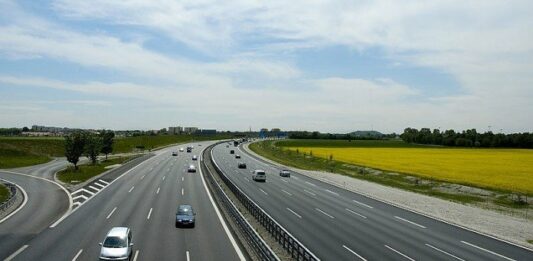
{"x": 45, "y": 170}
{"x": 46, "y": 203}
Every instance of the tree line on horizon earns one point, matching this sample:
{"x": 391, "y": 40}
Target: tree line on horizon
{"x": 467, "y": 138}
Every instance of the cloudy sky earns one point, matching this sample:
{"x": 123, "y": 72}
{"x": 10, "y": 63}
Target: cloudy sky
{"x": 332, "y": 66}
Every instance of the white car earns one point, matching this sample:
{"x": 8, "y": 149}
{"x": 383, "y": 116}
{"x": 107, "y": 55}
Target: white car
{"x": 194, "y": 157}
{"x": 181, "y": 149}
{"x": 259, "y": 175}
{"x": 117, "y": 244}
{"x": 191, "y": 168}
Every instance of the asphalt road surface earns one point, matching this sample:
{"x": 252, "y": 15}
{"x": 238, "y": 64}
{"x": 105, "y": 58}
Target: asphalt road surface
{"x": 145, "y": 199}
{"x": 336, "y": 224}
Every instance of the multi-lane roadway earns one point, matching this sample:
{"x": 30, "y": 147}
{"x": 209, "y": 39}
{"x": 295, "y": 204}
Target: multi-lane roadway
{"x": 336, "y": 224}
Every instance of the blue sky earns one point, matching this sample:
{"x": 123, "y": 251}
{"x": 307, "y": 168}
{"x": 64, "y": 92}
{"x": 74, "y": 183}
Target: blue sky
{"x": 332, "y": 66}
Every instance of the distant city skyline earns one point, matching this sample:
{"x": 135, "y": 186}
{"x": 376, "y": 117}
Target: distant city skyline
{"x": 336, "y": 66}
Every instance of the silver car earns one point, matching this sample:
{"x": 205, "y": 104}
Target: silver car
{"x": 191, "y": 168}
{"x": 117, "y": 244}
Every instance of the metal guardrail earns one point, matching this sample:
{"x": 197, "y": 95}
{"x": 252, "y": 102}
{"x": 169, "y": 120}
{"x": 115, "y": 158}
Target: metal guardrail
{"x": 259, "y": 246}
{"x": 296, "y": 249}
{"x": 12, "y": 196}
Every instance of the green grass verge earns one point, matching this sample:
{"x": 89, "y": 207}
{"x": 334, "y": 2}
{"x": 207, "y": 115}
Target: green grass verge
{"x": 350, "y": 144}
{"x": 151, "y": 142}
{"x": 530, "y": 241}
{"x": 4, "y": 193}
{"x": 85, "y": 172}
{"x": 272, "y": 151}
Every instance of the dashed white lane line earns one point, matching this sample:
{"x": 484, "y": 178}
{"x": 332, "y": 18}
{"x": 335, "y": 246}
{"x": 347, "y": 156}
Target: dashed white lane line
{"x": 157, "y": 192}
{"x": 149, "y": 214}
{"x": 188, "y": 257}
{"x": 77, "y": 255}
{"x": 309, "y": 192}
{"x": 334, "y": 193}
{"x": 9, "y": 258}
{"x": 353, "y": 252}
{"x": 182, "y": 178}
{"x": 321, "y": 211}
{"x": 444, "y": 252}
{"x": 355, "y": 213}
{"x": 142, "y": 177}
{"x": 264, "y": 192}
{"x": 131, "y": 189}
{"x": 295, "y": 178}
{"x": 111, "y": 213}
{"x": 136, "y": 255}
{"x": 247, "y": 179}
{"x": 310, "y": 183}
{"x": 361, "y": 203}
{"x": 296, "y": 214}
{"x": 164, "y": 177}
{"x": 488, "y": 251}
{"x": 399, "y": 253}
{"x": 182, "y": 191}
{"x": 286, "y": 192}
{"x": 410, "y": 222}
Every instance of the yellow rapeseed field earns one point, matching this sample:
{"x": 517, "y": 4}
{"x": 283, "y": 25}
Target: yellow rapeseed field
{"x": 507, "y": 169}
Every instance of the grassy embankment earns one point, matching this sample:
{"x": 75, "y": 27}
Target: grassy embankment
{"x": 4, "y": 193}
{"x": 423, "y": 169}
{"x": 25, "y": 151}
{"x": 85, "y": 172}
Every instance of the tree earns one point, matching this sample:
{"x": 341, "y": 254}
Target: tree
{"x": 107, "y": 142}
{"x": 93, "y": 146}
{"x": 74, "y": 147}
{"x": 25, "y": 129}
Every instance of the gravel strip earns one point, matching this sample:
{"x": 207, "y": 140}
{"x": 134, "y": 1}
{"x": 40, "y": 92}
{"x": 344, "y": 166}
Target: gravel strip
{"x": 513, "y": 229}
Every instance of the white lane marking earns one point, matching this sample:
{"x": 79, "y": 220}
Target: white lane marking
{"x": 21, "y": 205}
{"x": 444, "y": 252}
{"x": 9, "y": 258}
{"x": 286, "y": 192}
{"x": 151, "y": 169}
{"x": 247, "y": 179}
{"x": 399, "y": 253}
{"x": 112, "y": 211}
{"x": 77, "y": 204}
{"x": 157, "y": 192}
{"x": 362, "y": 204}
{"x": 136, "y": 255}
{"x": 142, "y": 177}
{"x": 355, "y": 213}
{"x": 264, "y": 192}
{"x": 131, "y": 189}
{"x": 77, "y": 255}
{"x": 103, "y": 181}
{"x": 353, "y": 252}
{"x": 80, "y": 196}
{"x": 188, "y": 257}
{"x": 296, "y": 214}
{"x": 82, "y": 190}
{"x": 182, "y": 191}
{"x": 309, "y": 192}
{"x": 295, "y": 178}
{"x": 410, "y": 222}
{"x": 334, "y": 193}
{"x": 488, "y": 251}
{"x": 99, "y": 185}
{"x": 182, "y": 178}
{"x": 95, "y": 188}
{"x": 284, "y": 180}
{"x": 321, "y": 211}
{"x": 310, "y": 183}
{"x": 149, "y": 214}
{"x": 226, "y": 229}
{"x": 164, "y": 177}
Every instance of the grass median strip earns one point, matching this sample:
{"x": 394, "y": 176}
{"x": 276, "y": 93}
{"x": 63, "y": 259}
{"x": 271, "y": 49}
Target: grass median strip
{"x": 85, "y": 172}
{"x": 4, "y": 193}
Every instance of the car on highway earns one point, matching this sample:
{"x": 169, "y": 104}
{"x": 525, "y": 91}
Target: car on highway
{"x": 231, "y": 152}
{"x": 117, "y": 244}
{"x": 191, "y": 168}
{"x": 174, "y": 153}
{"x": 241, "y": 165}
{"x": 181, "y": 149}
{"x": 259, "y": 175}
{"x": 237, "y": 156}
{"x": 194, "y": 157}
{"x": 189, "y": 149}
{"x": 285, "y": 173}
{"x": 185, "y": 216}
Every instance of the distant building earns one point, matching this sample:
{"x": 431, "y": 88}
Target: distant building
{"x": 190, "y": 130}
{"x": 175, "y": 130}
{"x": 275, "y": 130}
{"x": 208, "y": 132}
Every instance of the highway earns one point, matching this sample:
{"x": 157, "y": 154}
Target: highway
{"x": 144, "y": 198}
{"x": 336, "y": 224}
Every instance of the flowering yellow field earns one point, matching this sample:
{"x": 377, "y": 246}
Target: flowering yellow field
{"x": 508, "y": 169}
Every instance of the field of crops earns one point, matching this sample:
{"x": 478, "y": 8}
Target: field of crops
{"x": 501, "y": 169}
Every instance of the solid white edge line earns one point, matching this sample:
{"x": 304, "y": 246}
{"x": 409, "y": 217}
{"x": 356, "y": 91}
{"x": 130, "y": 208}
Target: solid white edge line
{"x": 410, "y": 222}
{"x": 187, "y": 254}
{"x": 224, "y": 225}
{"x": 323, "y": 212}
{"x": 131, "y": 189}
{"x": 136, "y": 255}
{"x": 70, "y": 201}
{"x": 9, "y": 258}
{"x": 355, "y": 213}
{"x": 488, "y": 251}
{"x": 399, "y": 253}
{"x": 77, "y": 255}
{"x": 149, "y": 213}
{"x": 444, "y": 252}
{"x": 24, "y": 201}
{"x": 353, "y": 252}
{"x": 111, "y": 213}
{"x": 292, "y": 211}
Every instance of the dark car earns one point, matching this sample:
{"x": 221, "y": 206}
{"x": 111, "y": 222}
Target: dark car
{"x": 185, "y": 216}
{"x": 285, "y": 173}
{"x": 174, "y": 153}
{"x": 231, "y": 152}
{"x": 237, "y": 156}
{"x": 242, "y": 165}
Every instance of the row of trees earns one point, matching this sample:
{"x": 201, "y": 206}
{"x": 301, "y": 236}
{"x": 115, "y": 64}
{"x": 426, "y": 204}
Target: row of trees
{"x": 89, "y": 144}
{"x": 467, "y": 138}
{"x": 331, "y": 136}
